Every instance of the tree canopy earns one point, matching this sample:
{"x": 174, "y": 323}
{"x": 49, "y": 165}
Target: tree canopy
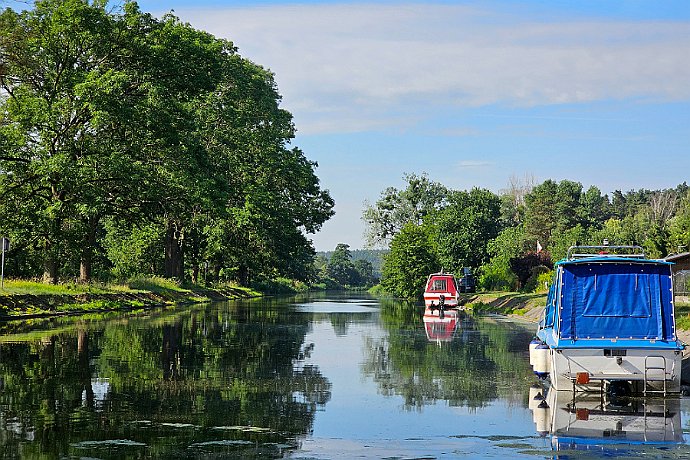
{"x": 117, "y": 127}
{"x": 512, "y": 238}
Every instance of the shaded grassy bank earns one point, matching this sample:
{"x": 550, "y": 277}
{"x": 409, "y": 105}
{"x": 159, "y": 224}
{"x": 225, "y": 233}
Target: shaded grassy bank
{"x": 28, "y": 299}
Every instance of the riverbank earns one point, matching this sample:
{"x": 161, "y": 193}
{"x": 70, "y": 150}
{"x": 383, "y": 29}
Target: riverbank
{"x": 23, "y": 300}
{"x": 530, "y": 307}
{"x": 525, "y": 306}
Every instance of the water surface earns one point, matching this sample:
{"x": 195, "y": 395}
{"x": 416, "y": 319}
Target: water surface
{"x": 302, "y": 378}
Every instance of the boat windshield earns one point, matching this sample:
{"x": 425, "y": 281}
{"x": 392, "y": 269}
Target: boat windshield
{"x": 439, "y": 284}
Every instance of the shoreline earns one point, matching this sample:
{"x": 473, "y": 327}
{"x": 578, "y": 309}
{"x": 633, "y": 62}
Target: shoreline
{"x": 14, "y": 307}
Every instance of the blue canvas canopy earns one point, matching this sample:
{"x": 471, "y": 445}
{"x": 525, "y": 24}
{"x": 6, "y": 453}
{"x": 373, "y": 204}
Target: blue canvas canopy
{"x": 613, "y": 299}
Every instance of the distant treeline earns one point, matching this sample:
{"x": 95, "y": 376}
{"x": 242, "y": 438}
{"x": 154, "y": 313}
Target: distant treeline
{"x": 373, "y": 256}
{"x": 134, "y": 145}
{"x": 512, "y": 238}
{"x": 344, "y": 267}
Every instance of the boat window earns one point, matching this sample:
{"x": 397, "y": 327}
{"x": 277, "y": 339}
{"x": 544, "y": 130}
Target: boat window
{"x": 439, "y": 285}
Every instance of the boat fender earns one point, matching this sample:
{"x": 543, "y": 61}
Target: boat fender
{"x": 535, "y": 396}
{"x": 532, "y": 345}
{"x": 542, "y": 353}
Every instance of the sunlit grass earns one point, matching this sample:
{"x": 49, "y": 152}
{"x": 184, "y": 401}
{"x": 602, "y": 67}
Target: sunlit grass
{"x": 39, "y": 288}
{"x": 155, "y": 284}
{"x": 683, "y": 316}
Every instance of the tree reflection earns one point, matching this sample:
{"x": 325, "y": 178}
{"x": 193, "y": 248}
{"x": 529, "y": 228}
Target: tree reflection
{"x": 484, "y": 361}
{"x": 228, "y": 380}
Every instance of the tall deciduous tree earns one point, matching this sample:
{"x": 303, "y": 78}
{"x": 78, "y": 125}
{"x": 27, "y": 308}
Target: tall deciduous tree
{"x": 137, "y": 121}
{"x": 396, "y": 208}
{"x": 340, "y": 266}
{"x": 465, "y": 227}
{"x": 411, "y": 259}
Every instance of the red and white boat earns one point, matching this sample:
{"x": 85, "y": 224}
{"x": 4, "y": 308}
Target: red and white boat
{"x": 441, "y": 289}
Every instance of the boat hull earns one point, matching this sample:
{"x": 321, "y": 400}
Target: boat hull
{"x": 450, "y": 300}
{"x": 586, "y": 369}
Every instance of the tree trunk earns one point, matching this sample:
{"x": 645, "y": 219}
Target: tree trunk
{"x": 195, "y": 273}
{"x": 85, "y": 266}
{"x": 50, "y": 266}
{"x": 174, "y": 261}
{"x": 243, "y": 275}
{"x": 84, "y": 369}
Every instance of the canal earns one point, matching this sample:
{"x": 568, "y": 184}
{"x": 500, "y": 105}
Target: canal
{"x": 316, "y": 377}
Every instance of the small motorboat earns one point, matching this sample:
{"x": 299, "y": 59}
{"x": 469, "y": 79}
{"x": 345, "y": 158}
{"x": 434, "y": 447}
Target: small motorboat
{"x": 441, "y": 291}
{"x": 609, "y": 323}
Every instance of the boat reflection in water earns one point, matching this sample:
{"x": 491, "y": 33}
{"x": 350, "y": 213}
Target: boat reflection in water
{"x": 600, "y": 423}
{"x": 440, "y": 325}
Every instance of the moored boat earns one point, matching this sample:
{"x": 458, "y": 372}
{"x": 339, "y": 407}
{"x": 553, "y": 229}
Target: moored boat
{"x": 609, "y": 323}
{"x": 441, "y": 290}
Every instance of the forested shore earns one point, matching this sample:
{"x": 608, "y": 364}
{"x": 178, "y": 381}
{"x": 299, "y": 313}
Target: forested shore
{"x": 511, "y": 239}
{"x": 131, "y": 145}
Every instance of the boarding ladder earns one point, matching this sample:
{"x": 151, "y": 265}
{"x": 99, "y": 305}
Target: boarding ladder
{"x": 654, "y": 368}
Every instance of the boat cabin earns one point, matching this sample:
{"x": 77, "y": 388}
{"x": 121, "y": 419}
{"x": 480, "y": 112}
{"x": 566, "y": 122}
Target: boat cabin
{"x": 441, "y": 288}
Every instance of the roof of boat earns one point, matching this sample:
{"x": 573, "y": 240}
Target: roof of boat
{"x": 607, "y": 254}
{"x": 612, "y": 259}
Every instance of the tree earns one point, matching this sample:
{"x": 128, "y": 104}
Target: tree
{"x": 340, "y": 266}
{"x": 529, "y": 264}
{"x": 134, "y": 121}
{"x": 396, "y": 208}
{"x": 679, "y": 227}
{"x": 465, "y": 227}
{"x": 497, "y": 273}
{"x": 364, "y": 271}
{"x": 411, "y": 259}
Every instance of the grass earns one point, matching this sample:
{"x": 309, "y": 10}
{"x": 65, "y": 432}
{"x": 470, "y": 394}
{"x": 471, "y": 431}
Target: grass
{"x": 67, "y": 298}
{"x": 155, "y": 284}
{"x": 683, "y": 316}
{"x": 505, "y": 303}
{"x": 39, "y": 288}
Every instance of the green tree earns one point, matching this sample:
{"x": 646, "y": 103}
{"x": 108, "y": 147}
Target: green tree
{"x": 412, "y": 257}
{"x": 679, "y": 227}
{"x": 364, "y": 271}
{"x": 465, "y": 227}
{"x": 340, "y": 266}
{"x": 396, "y": 208}
{"x": 115, "y": 116}
{"x": 497, "y": 273}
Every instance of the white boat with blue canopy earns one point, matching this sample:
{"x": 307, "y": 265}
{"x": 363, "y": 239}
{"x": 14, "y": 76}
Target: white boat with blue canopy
{"x": 609, "y": 322}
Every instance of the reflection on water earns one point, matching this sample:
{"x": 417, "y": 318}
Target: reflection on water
{"x": 220, "y": 379}
{"x": 319, "y": 377}
{"x": 598, "y": 424}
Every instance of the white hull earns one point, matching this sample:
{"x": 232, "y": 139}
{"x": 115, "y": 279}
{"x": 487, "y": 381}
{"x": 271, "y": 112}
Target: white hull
{"x": 450, "y": 301}
{"x": 657, "y": 367}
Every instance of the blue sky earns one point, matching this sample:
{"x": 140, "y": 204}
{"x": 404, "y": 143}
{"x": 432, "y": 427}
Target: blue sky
{"x": 472, "y": 93}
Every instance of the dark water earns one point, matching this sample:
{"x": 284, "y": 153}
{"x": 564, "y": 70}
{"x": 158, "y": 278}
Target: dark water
{"x": 324, "y": 377}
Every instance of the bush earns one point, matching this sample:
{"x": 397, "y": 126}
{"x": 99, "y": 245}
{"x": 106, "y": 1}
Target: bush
{"x": 540, "y": 281}
{"x": 280, "y": 286}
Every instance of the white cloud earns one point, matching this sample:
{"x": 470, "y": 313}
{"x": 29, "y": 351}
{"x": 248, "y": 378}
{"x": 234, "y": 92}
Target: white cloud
{"x": 473, "y": 164}
{"x": 344, "y": 68}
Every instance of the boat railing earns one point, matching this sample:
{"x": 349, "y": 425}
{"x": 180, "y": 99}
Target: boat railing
{"x": 628, "y": 251}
